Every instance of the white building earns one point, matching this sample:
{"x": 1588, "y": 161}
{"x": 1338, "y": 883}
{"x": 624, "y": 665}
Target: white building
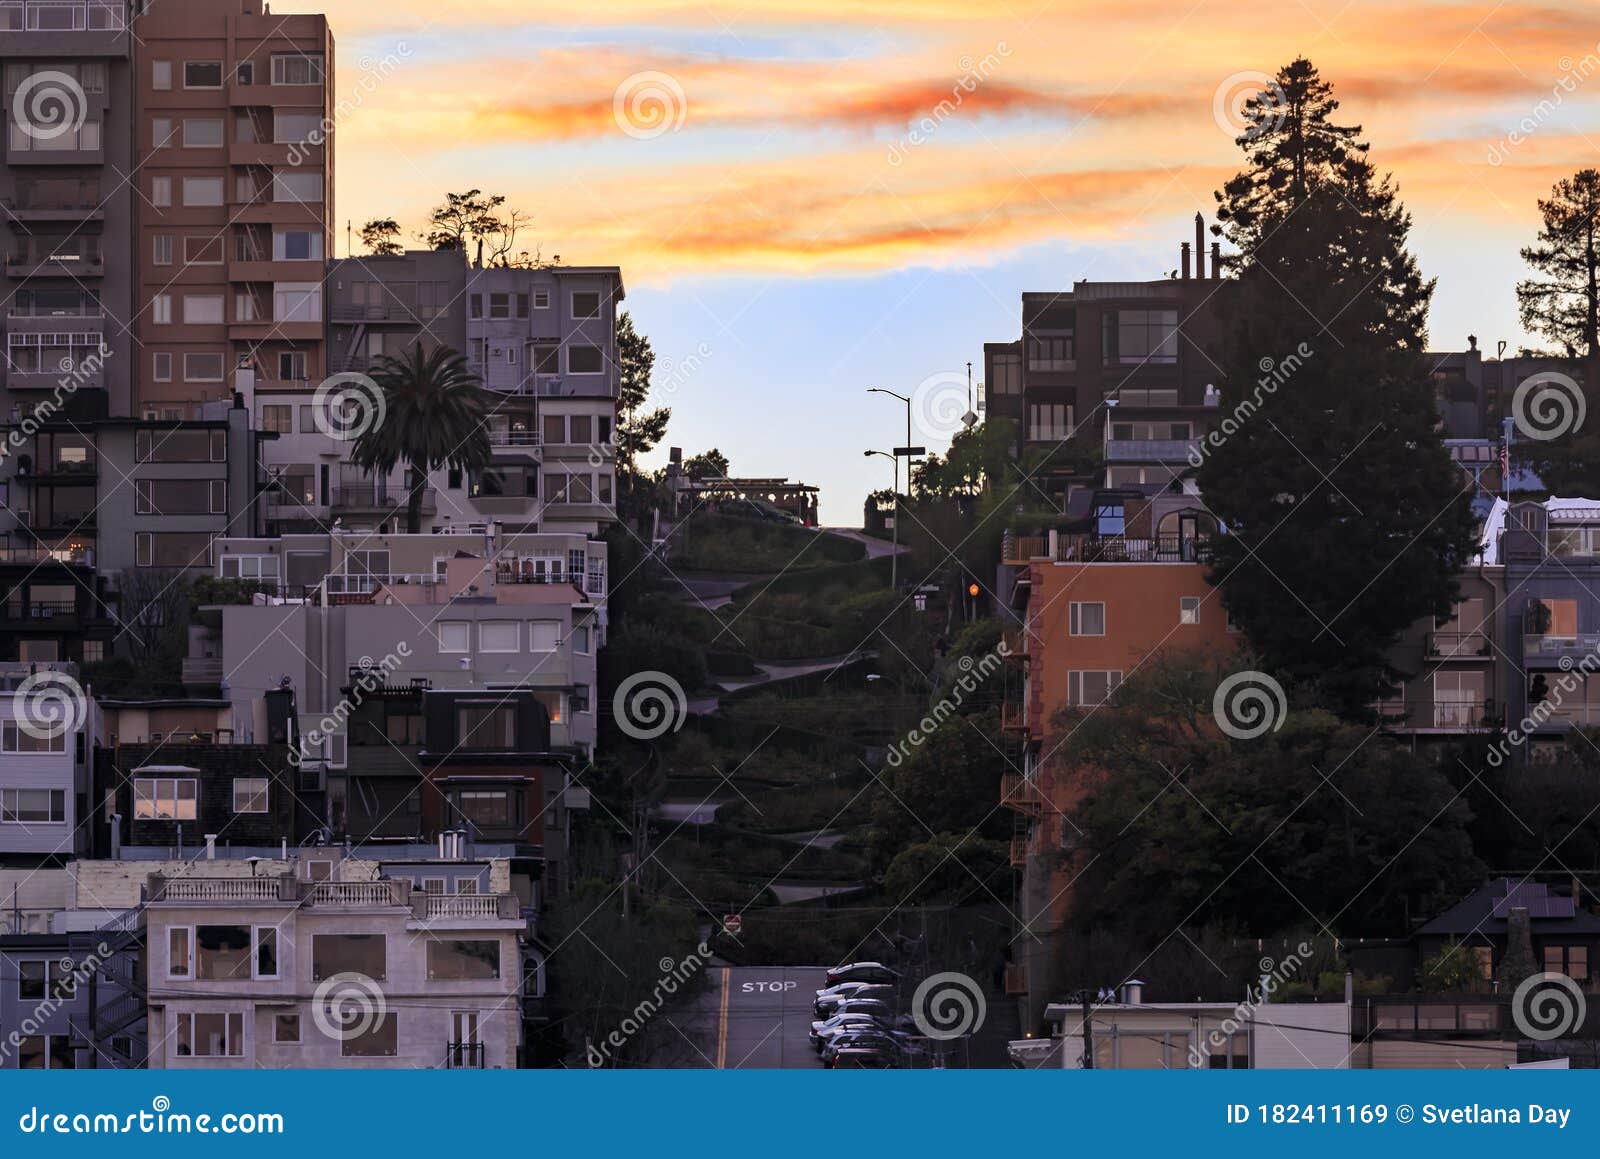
{"x": 44, "y": 774}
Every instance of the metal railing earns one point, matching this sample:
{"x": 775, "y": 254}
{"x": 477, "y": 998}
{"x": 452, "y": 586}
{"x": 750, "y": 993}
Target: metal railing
{"x": 1459, "y": 644}
{"x": 464, "y": 1056}
{"x": 1552, "y": 645}
{"x": 515, "y": 439}
{"x": 44, "y": 610}
{"x": 63, "y": 15}
{"x": 1017, "y": 792}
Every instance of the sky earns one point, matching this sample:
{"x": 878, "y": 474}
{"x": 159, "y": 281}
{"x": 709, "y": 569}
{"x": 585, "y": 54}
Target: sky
{"x": 809, "y": 198}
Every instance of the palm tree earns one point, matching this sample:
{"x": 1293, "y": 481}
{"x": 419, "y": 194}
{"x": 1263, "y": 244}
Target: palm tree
{"x": 435, "y": 410}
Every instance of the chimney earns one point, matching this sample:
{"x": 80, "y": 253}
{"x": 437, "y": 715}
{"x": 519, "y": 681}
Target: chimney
{"x": 1199, "y": 247}
{"x": 1133, "y": 992}
{"x": 1184, "y": 265}
{"x": 211, "y": 846}
{"x": 1216, "y": 259}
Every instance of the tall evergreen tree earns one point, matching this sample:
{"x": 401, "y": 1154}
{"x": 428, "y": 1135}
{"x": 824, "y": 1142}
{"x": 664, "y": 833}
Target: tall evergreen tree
{"x": 638, "y": 430}
{"x": 1563, "y": 303}
{"x": 1346, "y": 519}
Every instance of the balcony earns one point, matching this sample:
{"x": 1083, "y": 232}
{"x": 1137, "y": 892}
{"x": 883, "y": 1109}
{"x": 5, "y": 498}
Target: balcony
{"x": 222, "y": 890}
{"x": 1019, "y": 851}
{"x": 514, "y": 439}
{"x": 1014, "y": 643}
{"x": 201, "y": 671}
{"x": 1448, "y": 716}
{"x": 1013, "y": 717}
{"x": 463, "y": 1056}
{"x": 494, "y": 907}
{"x": 1459, "y": 645}
{"x": 387, "y": 312}
{"x": 56, "y": 613}
{"x": 96, "y": 18}
{"x": 85, "y": 377}
{"x": 1020, "y": 549}
{"x": 370, "y": 497}
{"x": 1550, "y": 715}
{"x": 1021, "y": 794}
{"x": 1563, "y": 651}
{"x": 1152, "y": 450}
{"x": 1126, "y": 549}
{"x": 61, "y": 201}
{"x": 88, "y": 263}
{"x": 33, "y": 556}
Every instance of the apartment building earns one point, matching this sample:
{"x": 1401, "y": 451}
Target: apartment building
{"x": 276, "y": 970}
{"x": 1125, "y": 366}
{"x": 1090, "y": 608}
{"x": 233, "y": 129}
{"x": 1455, "y": 666}
{"x": 54, "y": 608}
{"x": 44, "y": 771}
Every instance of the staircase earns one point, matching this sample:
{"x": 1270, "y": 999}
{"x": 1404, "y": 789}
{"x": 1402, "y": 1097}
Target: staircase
{"x": 116, "y": 997}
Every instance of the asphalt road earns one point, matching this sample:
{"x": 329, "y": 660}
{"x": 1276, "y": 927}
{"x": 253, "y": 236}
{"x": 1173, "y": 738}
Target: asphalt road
{"x": 754, "y": 1017}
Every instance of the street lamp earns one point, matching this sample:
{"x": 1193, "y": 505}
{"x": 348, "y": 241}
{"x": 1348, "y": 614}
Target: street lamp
{"x": 894, "y": 560}
{"x": 905, "y": 450}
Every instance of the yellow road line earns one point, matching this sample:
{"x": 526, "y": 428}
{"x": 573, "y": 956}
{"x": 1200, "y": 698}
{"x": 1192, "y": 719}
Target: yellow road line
{"x": 722, "y": 1028}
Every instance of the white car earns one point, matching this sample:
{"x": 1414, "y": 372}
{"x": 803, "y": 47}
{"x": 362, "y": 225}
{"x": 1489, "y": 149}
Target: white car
{"x": 822, "y": 1031}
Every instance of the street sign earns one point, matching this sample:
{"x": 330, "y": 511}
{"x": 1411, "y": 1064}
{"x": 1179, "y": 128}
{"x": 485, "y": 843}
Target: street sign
{"x": 732, "y": 924}
{"x": 909, "y": 452}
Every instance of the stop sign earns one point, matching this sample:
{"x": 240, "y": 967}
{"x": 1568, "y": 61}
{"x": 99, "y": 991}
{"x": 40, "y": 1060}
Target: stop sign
{"x": 732, "y": 924}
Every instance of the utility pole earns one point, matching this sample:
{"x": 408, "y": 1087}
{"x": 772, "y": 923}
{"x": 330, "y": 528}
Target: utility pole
{"x": 894, "y": 558}
{"x": 908, "y": 452}
{"x": 1085, "y": 1002}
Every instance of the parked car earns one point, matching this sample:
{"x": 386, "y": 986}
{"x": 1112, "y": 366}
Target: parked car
{"x": 829, "y": 1004}
{"x": 876, "y": 1007}
{"x": 863, "y": 972}
{"x": 826, "y": 1029}
{"x": 839, "y": 990}
{"x": 876, "y": 1039}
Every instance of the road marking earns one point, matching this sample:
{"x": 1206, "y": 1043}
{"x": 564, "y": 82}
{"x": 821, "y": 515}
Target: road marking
{"x": 722, "y": 1028}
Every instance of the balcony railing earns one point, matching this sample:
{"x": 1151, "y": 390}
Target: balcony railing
{"x": 1019, "y": 851}
{"x": 369, "y": 497}
{"x": 86, "y": 311}
{"x": 1128, "y": 549}
{"x": 44, "y": 610}
{"x": 471, "y": 906}
{"x": 1459, "y": 645}
{"x": 464, "y": 1056}
{"x": 35, "y": 555}
{"x": 1013, "y": 718}
{"x": 62, "y": 15}
{"x": 514, "y": 438}
{"x": 1556, "y": 647}
{"x": 357, "y": 893}
{"x": 1449, "y": 715}
{"x": 1566, "y": 715}
{"x": 1021, "y": 794}
{"x": 1151, "y": 450}
{"x": 223, "y": 890}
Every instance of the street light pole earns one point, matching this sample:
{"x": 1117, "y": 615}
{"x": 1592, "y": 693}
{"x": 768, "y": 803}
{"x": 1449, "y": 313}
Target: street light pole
{"x": 894, "y": 559}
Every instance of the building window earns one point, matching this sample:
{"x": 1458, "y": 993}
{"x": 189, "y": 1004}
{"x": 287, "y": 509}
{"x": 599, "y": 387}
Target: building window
{"x": 38, "y": 978}
{"x": 486, "y": 726}
{"x": 164, "y": 798}
{"x": 202, "y": 191}
{"x": 305, "y": 188}
{"x": 250, "y": 794}
{"x": 1573, "y": 961}
{"x": 584, "y": 360}
{"x": 500, "y": 636}
{"x": 161, "y": 249}
{"x": 178, "y": 963}
{"x": 161, "y": 309}
{"x": 34, "y": 806}
{"x": 286, "y": 1028}
{"x": 379, "y": 1038}
{"x": 364, "y": 954}
{"x": 454, "y": 960}
{"x": 541, "y": 299}
{"x": 203, "y": 367}
{"x": 580, "y": 640}
{"x": 1049, "y": 422}
{"x": 1051, "y": 352}
{"x": 14, "y": 739}
{"x": 485, "y": 808}
{"x": 202, "y": 133}
{"x": 455, "y": 636}
{"x": 266, "y": 951}
{"x": 46, "y": 1052}
{"x": 161, "y": 366}
{"x": 1134, "y": 336}
{"x": 585, "y": 304}
{"x": 210, "y": 1035}
{"x": 161, "y": 75}
{"x": 160, "y": 191}
{"x": 1088, "y": 619}
{"x": 1089, "y": 688}
{"x": 94, "y": 651}
{"x": 544, "y": 635}
{"x": 1188, "y": 609}
{"x": 222, "y": 953}
{"x": 202, "y": 74}
{"x": 299, "y": 69}
{"x": 202, "y": 310}
{"x": 279, "y": 419}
